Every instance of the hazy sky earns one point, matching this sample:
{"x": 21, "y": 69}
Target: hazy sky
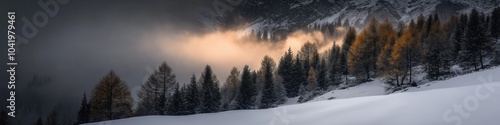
{"x": 88, "y": 38}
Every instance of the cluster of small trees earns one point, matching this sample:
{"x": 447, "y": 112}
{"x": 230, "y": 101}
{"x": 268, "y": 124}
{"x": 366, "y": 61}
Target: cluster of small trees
{"x": 382, "y": 50}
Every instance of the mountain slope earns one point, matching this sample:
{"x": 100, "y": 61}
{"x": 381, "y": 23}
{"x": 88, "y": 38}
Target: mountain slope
{"x": 289, "y": 15}
{"x": 475, "y": 95}
{"x": 433, "y": 107}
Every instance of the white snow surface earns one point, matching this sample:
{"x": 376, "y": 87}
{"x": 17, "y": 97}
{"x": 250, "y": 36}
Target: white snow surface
{"x": 471, "y": 99}
{"x": 375, "y": 87}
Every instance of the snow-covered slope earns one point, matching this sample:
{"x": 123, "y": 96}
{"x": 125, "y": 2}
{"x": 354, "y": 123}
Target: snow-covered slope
{"x": 372, "y": 88}
{"x": 475, "y": 78}
{"x": 468, "y": 105}
{"x": 470, "y": 99}
{"x": 376, "y": 87}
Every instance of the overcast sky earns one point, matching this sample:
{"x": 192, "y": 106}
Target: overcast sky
{"x": 88, "y": 38}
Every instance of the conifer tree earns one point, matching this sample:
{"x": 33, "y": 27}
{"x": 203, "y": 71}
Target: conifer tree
{"x": 175, "y": 105}
{"x": 435, "y": 52}
{"x": 404, "y": 51}
{"x": 346, "y": 23}
{"x": 299, "y": 75}
{"x": 335, "y": 69}
{"x": 476, "y": 45}
{"x": 230, "y": 89}
{"x": 285, "y": 70}
{"x": 247, "y": 94}
{"x": 363, "y": 52}
{"x": 321, "y": 76}
{"x": 192, "y": 97}
{"x": 387, "y": 36}
{"x": 280, "y": 93}
{"x": 307, "y": 53}
{"x": 111, "y": 99}
{"x": 210, "y": 100}
{"x": 84, "y": 112}
{"x": 311, "y": 80}
{"x": 348, "y": 40}
{"x": 268, "y": 98}
{"x": 495, "y": 23}
{"x": 153, "y": 94}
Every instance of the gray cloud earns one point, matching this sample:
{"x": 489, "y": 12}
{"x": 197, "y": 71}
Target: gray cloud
{"x": 88, "y": 38}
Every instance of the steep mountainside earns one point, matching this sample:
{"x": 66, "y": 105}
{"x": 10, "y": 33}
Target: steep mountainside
{"x": 288, "y": 15}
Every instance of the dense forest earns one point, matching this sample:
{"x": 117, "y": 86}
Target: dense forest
{"x": 380, "y": 50}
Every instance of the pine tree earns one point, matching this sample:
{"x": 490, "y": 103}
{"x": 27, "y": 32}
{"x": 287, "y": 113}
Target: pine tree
{"x": 420, "y": 23}
{"x": 315, "y": 60}
{"x": 83, "y": 113}
{"x": 210, "y": 91}
{"x": 434, "y": 52}
{"x": 247, "y": 93}
{"x": 334, "y": 69}
{"x": 400, "y": 28}
{"x": 346, "y": 23}
{"x": 426, "y": 29}
{"x": 299, "y": 75}
{"x": 321, "y": 76}
{"x": 192, "y": 98}
{"x": 175, "y": 105}
{"x": 280, "y": 93}
{"x": 153, "y": 94}
{"x": 457, "y": 34}
{"x": 476, "y": 45}
{"x": 111, "y": 99}
{"x": 286, "y": 72}
{"x": 495, "y": 23}
{"x": 230, "y": 89}
{"x": 268, "y": 98}
{"x": 348, "y": 40}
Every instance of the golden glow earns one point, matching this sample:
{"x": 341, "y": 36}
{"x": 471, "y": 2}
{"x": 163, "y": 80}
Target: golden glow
{"x": 223, "y": 50}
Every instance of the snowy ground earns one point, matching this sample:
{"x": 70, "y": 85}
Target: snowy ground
{"x": 471, "y": 99}
{"x": 372, "y": 88}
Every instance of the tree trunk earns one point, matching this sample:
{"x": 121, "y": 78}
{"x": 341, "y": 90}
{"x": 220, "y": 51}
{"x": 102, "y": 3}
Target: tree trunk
{"x": 481, "y": 60}
{"x": 367, "y": 70}
{"x": 346, "y": 80}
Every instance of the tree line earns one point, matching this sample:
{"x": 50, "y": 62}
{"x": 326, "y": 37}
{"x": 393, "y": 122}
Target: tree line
{"x": 467, "y": 40}
{"x": 380, "y": 50}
